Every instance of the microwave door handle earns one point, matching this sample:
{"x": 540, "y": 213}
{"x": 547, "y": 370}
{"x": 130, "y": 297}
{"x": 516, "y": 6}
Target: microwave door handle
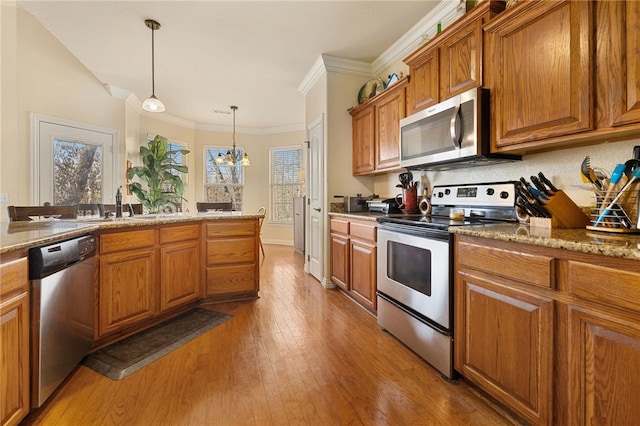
{"x": 453, "y": 128}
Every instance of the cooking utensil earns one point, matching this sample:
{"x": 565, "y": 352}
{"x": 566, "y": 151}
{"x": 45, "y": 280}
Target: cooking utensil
{"x": 539, "y": 186}
{"x": 636, "y": 175}
{"x": 589, "y": 174}
{"x": 617, "y": 174}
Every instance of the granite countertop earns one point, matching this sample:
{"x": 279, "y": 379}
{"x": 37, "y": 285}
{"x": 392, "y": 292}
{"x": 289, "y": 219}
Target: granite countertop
{"x": 582, "y": 240}
{"x": 23, "y": 235}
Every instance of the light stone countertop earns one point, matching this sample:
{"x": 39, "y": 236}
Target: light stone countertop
{"x": 23, "y": 235}
{"x": 581, "y": 240}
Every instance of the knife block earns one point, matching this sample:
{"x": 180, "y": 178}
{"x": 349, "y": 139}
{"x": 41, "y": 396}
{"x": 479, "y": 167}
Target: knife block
{"x": 565, "y": 214}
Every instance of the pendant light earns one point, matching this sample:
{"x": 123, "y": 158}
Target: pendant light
{"x": 153, "y": 104}
{"x": 232, "y": 155}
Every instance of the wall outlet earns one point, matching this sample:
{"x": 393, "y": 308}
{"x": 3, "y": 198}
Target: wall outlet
{"x": 4, "y": 197}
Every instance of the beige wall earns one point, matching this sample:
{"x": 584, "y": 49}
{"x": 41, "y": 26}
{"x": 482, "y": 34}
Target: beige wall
{"x": 40, "y": 75}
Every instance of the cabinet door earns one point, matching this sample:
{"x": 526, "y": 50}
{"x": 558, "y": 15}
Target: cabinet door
{"x": 424, "y": 84}
{"x": 618, "y": 44}
{"x": 363, "y": 273}
{"x": 505, "y": 344}
{"x": 14, "y": 341}
{"x": 127, "y": 289}
{"x": 604, "y": 353}
{"x": 542, "y": 72}
{"x": 363, "y": 123}
{"x": 179, "y": 274}
{"x": 461, "y": 61}
{"x": 340, "y": 261}
{"x": 389, "y": 110}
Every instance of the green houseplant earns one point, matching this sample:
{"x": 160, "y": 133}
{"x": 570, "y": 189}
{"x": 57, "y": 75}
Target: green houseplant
{"x": 160, "y": 173}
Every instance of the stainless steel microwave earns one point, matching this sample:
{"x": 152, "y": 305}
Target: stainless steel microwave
{"x": 451, "y": 134}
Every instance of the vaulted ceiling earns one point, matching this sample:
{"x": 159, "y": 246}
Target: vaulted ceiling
{"x": 213, "y": 54}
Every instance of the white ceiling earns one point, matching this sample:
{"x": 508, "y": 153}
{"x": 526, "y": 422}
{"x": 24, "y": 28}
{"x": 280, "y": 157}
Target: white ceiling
{"x": 213, "y": 54}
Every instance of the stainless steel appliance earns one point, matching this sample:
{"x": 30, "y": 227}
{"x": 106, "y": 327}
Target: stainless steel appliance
{"x": 62, "y": 303}
{"x": 415, "y": 260}
{"x": 451, "y": 134}
{"x": 298, "y": 223}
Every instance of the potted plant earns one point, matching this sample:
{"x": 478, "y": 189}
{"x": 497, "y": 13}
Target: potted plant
{"x": 160, "y": 173}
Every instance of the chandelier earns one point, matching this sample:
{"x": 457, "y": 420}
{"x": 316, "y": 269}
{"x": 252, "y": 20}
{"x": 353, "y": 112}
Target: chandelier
{"x": 233, "y": 155}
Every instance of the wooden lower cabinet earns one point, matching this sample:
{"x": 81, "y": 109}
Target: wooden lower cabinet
{"x": 552, "y": 334}
{"x": 354, "y": 259}
{"x": 231, "y": 258}
{"x": 14, "y": 341}
{"x": 505, "y": 343}
{"x": 179, "y": 266}
{"x": 604, "y": 356}
{"x": 128, "y": 289}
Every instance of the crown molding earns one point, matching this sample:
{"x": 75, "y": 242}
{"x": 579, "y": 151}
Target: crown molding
{"x": 251, "y": 130}
{"x": 312, "y": 76}
{"x": 420, "y": 33}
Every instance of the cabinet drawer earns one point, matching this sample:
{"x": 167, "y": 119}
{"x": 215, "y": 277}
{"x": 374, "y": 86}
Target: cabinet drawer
{"x": 232, "y": 250}
{"x": 179, "y": 233}
{"x": 363, "y": 230}
{"x": 127, "y": 240}
{"x": 14, "y": 277}
{"x": 604, "y": 285}
{"x": 513, "y": 264}
{"x": 231, "y": 279}
{"x": 231, "y": 229}
{"x": 341, "y": 226}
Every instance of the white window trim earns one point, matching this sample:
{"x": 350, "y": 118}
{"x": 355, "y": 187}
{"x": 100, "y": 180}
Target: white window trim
{"x": 34, "y": 120}
{"x": 271, "y": 149}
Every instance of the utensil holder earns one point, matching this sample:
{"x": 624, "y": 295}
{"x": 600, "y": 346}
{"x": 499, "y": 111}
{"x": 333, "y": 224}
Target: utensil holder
{"x": 565, "y": 214}
{"x": 626, "y": 209}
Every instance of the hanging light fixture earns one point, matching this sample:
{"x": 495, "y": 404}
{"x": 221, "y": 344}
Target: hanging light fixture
{"x": 232, "y": 155}
{"x": 153, "y": 104}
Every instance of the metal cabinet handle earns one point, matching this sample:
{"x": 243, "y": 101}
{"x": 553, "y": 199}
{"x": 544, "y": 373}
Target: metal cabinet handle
{"x": 316, "y": 209}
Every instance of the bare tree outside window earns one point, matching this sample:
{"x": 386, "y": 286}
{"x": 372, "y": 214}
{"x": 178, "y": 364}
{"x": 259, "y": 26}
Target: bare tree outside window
{"x": 77, "y": 173}
{"x": 223, "y": 183}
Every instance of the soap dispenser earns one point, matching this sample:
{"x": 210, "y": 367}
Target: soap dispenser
{"x": 118, "y": 203}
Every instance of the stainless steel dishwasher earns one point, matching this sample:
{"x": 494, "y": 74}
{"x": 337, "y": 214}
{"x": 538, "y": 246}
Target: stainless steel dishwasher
{"x": 62, "y": 303}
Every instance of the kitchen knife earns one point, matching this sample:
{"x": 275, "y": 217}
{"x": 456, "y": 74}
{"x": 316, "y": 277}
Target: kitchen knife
{"x": 547, "y": 182}
{"x": 540, "y": 187}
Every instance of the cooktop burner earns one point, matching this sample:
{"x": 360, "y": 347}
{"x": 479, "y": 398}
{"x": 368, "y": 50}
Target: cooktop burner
{"x": 435, "y": 222}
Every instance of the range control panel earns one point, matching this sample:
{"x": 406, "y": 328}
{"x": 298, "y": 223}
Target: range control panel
{"x": 499, "y": 194}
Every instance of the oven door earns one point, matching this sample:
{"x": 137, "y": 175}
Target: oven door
{"x": 413, "y": 269}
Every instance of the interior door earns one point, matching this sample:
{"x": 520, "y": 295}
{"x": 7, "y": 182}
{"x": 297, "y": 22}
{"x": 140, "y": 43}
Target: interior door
{"x": 316, "y": 198}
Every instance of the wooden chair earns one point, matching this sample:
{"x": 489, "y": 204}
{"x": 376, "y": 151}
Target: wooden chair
{"x": 24, "y": 213}
{"x": 262, "y": 211}
{"x": 137, "y": 208}
{"x": 205, "y": 207}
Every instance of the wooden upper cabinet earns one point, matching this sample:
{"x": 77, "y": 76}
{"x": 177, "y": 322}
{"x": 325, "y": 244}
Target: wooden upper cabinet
{"x": 541, "y": 72}
{"x": 389, "y": 111}
{"x": 452, "y": 62}
{"x": 424, "y": 84}
{"x": 376, "y": 131}
{"x": 363, "y": 123}
{"x": 617, "y": 47}
{"x": 461, "y": 61}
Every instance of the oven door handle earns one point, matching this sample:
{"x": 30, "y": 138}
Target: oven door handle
{"x": 456, "y": 136}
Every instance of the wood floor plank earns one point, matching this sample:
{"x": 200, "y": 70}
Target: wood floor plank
{"x": 299, "y": 355}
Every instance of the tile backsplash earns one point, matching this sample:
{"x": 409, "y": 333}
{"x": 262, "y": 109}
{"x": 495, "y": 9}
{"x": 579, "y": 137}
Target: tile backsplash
{"x": 561, "y": 166}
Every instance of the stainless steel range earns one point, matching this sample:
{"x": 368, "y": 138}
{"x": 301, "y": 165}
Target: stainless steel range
{"x": 415, "y": 261}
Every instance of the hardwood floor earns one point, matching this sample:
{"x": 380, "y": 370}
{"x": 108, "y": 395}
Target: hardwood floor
{"x": 300, "y": 354}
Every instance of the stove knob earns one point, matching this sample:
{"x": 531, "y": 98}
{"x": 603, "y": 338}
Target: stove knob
{"x": 504, "y": 195}
{"x": 447, "y": 191}
{"x": 440, "y": 195}
{"x": 490, "y": 191}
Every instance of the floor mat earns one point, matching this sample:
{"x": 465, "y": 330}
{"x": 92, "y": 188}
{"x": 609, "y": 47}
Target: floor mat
{"x": 131, "y": 354}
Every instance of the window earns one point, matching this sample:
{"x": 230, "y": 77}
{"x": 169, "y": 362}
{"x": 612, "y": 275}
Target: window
{"x": 72, "y": 162}
{"x": 285, "y": 166}
{"x": 223, "y": 183}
